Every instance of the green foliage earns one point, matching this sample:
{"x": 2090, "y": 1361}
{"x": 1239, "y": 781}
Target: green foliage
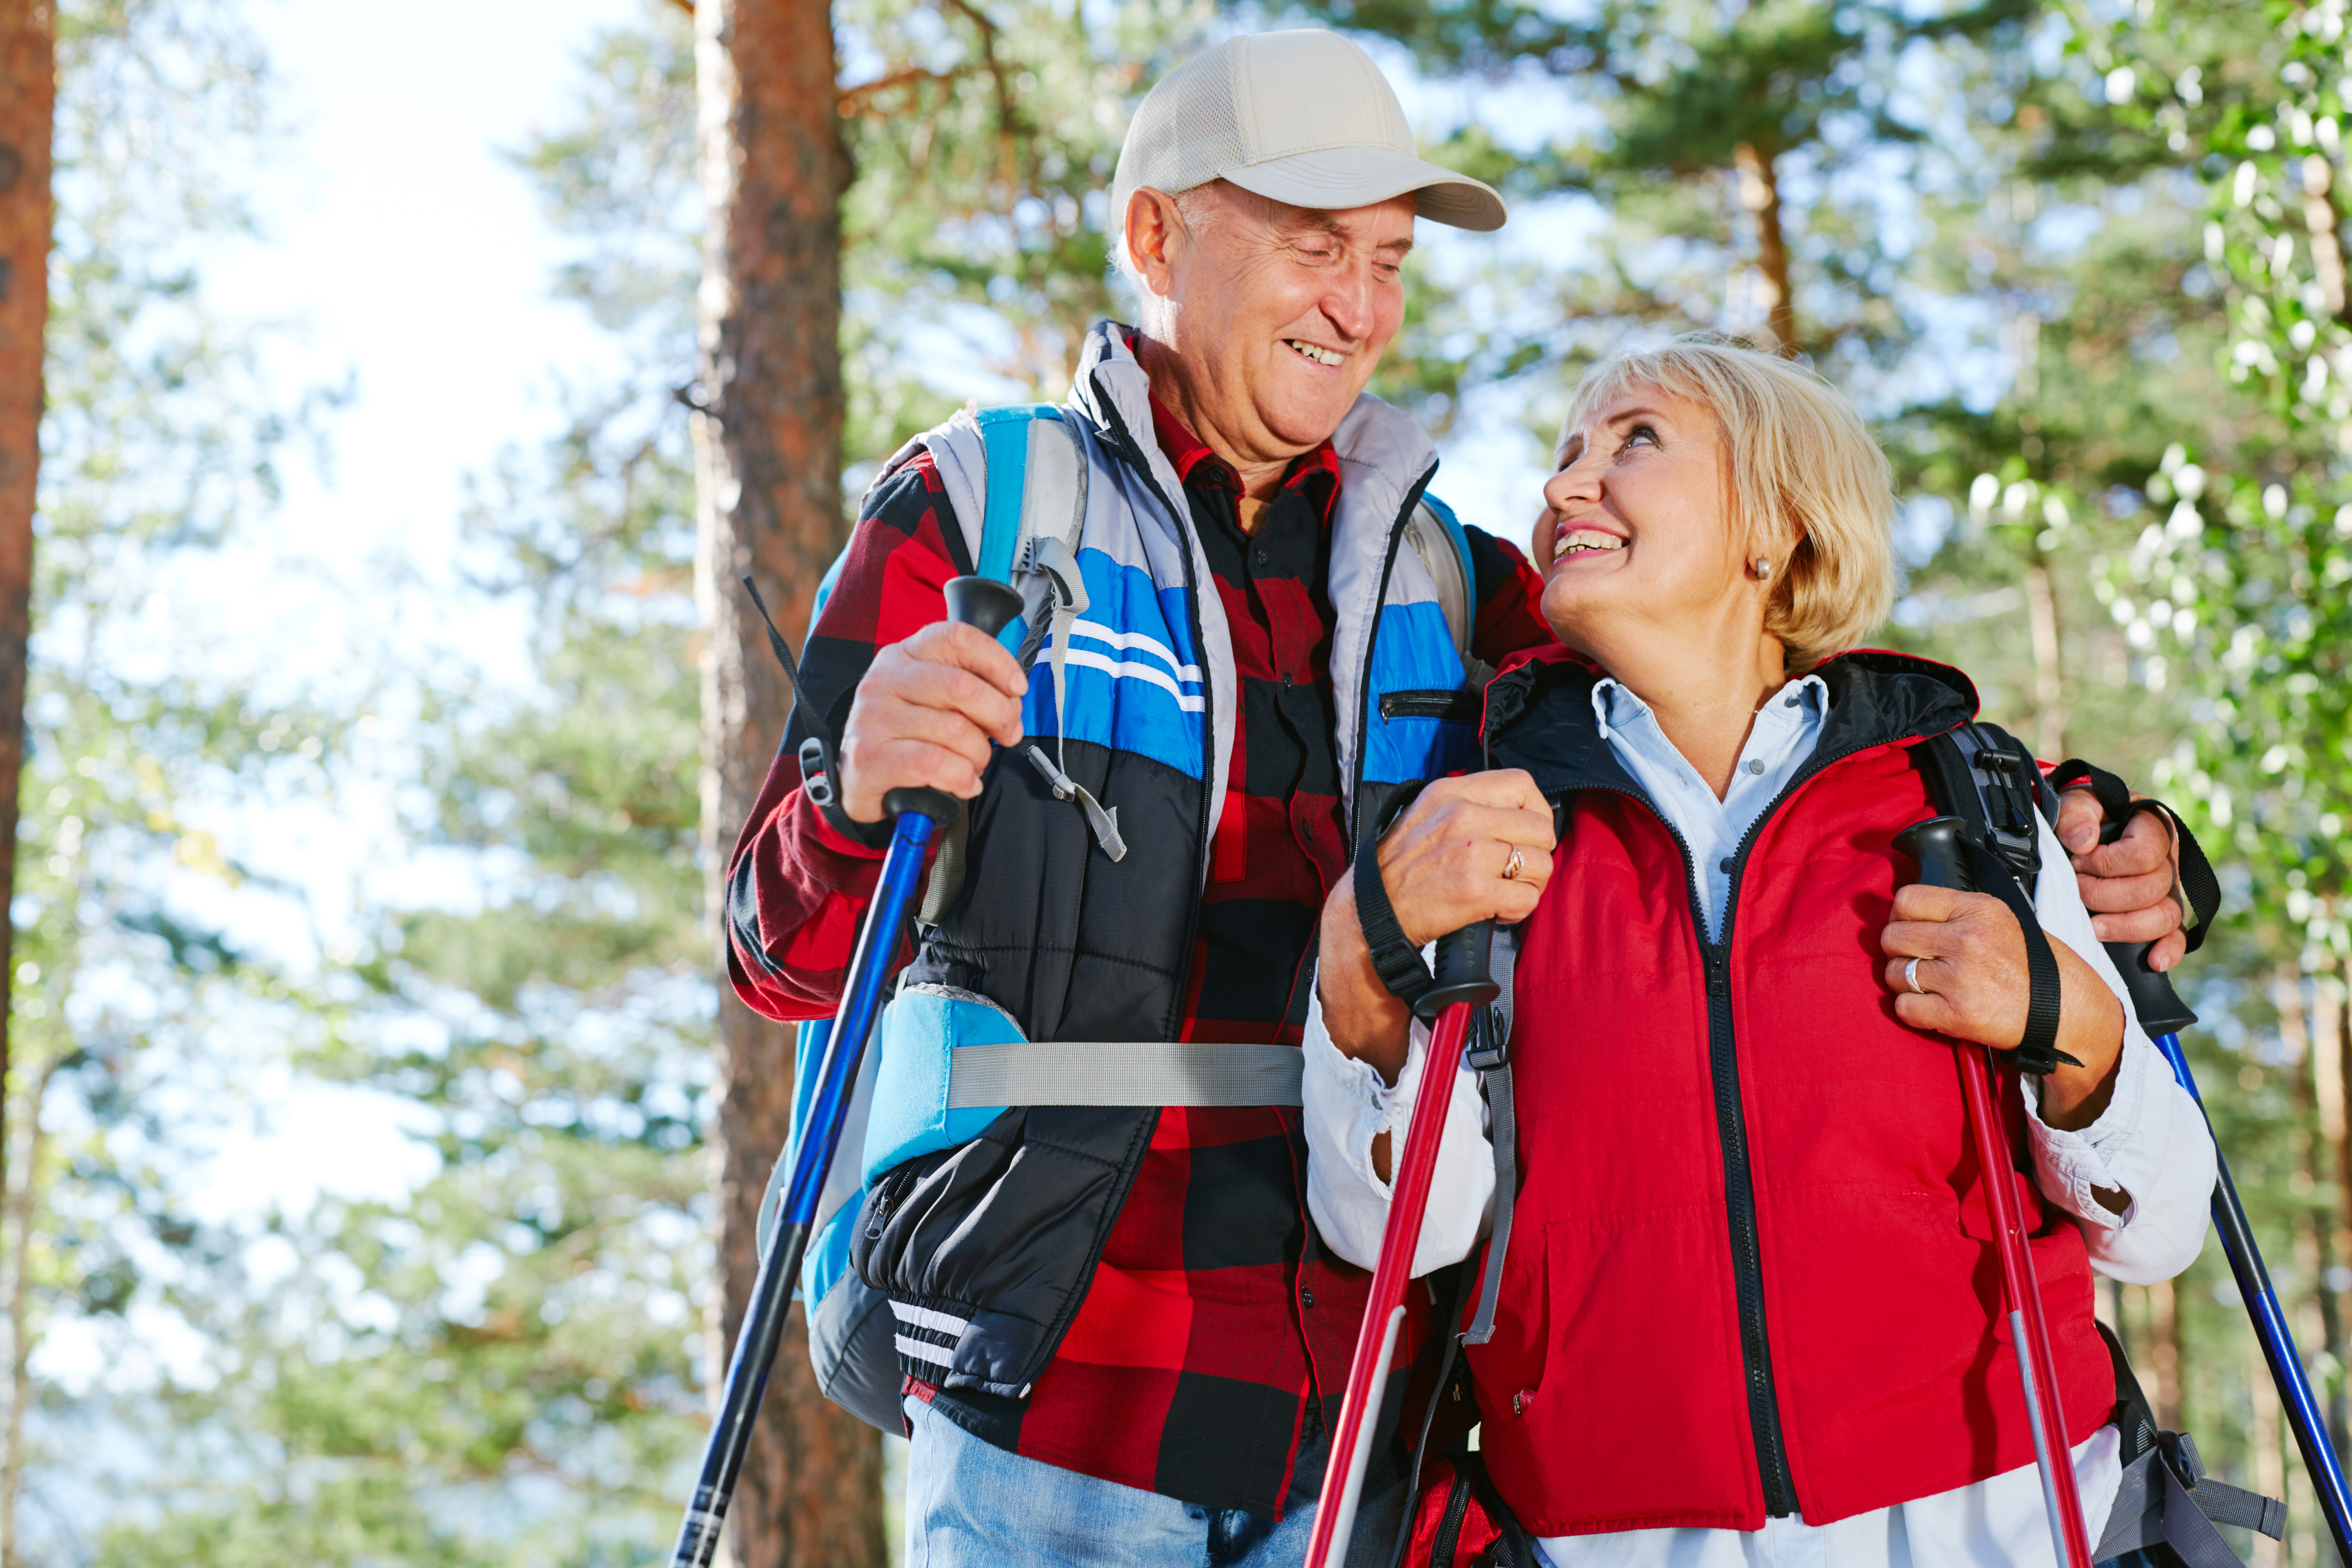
{"x": 157, "y": 446}
{"x": 2240, "y": 572}
{"x": 523, "y": 1356}
{"x": 985, "y": 138}
{"x": 1872, "y": 131}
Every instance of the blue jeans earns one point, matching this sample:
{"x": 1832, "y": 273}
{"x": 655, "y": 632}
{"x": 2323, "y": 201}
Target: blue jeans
{"x": 971, "y": 1505}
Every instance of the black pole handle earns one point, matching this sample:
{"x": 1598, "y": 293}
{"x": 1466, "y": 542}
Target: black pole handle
{"x": 2160, "y": 1007}
{"x": 1934, "y": 844}
{"x": 989, "y": 605}
{"x": 1462, "y": 970}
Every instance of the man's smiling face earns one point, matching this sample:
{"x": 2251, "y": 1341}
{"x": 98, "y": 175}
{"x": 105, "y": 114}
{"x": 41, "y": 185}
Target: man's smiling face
{"x": 1270, "y": 318}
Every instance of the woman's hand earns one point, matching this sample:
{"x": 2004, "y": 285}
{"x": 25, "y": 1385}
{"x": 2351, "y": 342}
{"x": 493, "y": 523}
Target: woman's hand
{"x": 2128, "y": 884}
{"x": 1973, "y": 973}
{"x": 1443, "y": 864}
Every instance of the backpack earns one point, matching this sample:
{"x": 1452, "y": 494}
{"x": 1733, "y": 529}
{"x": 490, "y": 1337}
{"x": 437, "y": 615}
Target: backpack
{"x": 2165, "y": 1506}
{"x": 1034, "y": 510}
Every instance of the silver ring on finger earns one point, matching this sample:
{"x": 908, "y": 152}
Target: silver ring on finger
{"x": 1911, "y": 978}
{"x": 1512, "y": 867}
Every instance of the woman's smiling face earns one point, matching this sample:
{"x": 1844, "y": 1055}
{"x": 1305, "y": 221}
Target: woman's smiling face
{"x": 1638, "y": 525}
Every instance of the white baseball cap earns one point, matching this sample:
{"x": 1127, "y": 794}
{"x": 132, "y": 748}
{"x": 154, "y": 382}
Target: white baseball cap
{"x": 1303, "y": 117}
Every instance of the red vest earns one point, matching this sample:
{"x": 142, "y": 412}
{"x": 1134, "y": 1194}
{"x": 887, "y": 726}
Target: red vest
{"x": 1751, "y": 1263}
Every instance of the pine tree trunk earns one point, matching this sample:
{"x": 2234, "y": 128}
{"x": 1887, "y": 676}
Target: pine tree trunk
{"x": 2165, "y": 1365}
{"x": 1760, "y": 193}
{"x": 2049, "y": 668}
{"x": 27, "y": 103}
{"x": 768, "y": 450}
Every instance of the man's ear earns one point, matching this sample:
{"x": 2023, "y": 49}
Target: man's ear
{"x": 1155, "y": 239}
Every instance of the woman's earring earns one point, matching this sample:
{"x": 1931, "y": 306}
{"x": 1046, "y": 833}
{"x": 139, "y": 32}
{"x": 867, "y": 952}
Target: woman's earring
{"x": 1763, "y": 569}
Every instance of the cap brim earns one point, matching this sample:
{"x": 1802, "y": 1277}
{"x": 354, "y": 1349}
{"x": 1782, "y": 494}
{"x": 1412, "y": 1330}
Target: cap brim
{"x": 1333, "y": 179}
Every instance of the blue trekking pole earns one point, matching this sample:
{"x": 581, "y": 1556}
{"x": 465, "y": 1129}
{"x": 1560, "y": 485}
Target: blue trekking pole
{"x": 989, "y": 606}
{"x": 2164, "y": 1016}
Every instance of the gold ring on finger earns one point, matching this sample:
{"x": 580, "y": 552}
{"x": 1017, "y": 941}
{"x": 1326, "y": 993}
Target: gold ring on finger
{"x": 1512, "y": 867}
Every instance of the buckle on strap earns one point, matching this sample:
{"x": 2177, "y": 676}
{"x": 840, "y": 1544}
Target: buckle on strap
{"x": 1125, "y": 1073}
{"x": 2007, "y": 781}
{"x": 1102, "y": 821}
{"x": 1490, "y": 1043}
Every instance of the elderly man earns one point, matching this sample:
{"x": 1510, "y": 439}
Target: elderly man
{"x": 1120, "y": 1340}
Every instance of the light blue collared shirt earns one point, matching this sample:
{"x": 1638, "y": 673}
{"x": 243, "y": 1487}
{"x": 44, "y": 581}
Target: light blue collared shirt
{"x": 1786, "y": 731}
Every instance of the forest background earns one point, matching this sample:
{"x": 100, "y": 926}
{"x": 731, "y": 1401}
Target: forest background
{"x": 333, "y": 857}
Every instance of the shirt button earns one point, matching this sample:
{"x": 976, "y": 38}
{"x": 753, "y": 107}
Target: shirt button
{"x": 1307, "y": 1296}
{"x": 1258, "y": 556}
{"x": 1756, "y": 766}
{"x": 1724, "y": 865}
{"x": 1790, "y": 703}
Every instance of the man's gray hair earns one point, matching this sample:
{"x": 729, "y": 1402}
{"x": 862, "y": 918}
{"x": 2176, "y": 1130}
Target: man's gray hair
{"x": 1198, "y": 209}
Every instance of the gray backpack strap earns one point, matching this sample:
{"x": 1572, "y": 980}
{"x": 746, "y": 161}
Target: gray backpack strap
{"x": 1045, "y": 568}
{"x": 1490, "y": 1054}
{"x": 1434, "y": 544}
{"x": 1124, "y": 1072}
{"x": 1042, "y": 556}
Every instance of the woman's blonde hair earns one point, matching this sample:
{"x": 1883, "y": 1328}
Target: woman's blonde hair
{"x": 1799, "y": 455}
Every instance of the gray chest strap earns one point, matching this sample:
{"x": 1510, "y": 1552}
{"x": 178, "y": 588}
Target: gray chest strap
{"x": 1124, "y": 1072}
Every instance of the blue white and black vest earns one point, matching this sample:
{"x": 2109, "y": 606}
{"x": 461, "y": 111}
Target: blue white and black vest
{"x": 980, "y": 1231}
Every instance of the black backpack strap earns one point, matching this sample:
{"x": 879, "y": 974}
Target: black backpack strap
{"x": 2133, "y": 1415}
{"x": 2166, "y": 1506}
{"x": 2164, "y": 1483}
{"x": 1964, "y": 779}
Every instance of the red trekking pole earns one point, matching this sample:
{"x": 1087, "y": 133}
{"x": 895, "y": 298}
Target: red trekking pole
{"x": 1935, "y": 845}
{"x": 1463, "y": 986}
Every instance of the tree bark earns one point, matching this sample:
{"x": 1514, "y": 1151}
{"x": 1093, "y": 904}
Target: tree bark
{"x": 768, "y": 452}
{"x": 28, "y": 90}
{"x": 1760, "y": 193}
{"x": 2049, "y": 668}
{"x": 2164, "y": 1364}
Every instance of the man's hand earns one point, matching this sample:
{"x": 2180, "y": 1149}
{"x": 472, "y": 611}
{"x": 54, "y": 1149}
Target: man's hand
{"x": 2127, "y": 885}
{"x": 1443, "y": 864}
{"x": 1972, "y": 972}
{"x": 925, "y": 713}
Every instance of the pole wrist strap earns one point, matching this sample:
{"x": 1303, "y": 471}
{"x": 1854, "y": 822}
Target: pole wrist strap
{"x": 2196, "y": 887}
{"x": 2037, "y": 1052}
{"x": 1397, "y": 961}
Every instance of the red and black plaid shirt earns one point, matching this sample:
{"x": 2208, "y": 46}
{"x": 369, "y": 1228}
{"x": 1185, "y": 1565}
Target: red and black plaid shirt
{"x": 1213, "y": 1316}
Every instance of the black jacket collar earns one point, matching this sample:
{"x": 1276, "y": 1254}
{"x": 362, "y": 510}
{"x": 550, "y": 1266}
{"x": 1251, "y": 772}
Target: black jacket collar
{"x": 1540, "y": 715}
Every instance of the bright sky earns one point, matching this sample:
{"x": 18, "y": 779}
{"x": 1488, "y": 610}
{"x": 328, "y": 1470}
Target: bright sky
{"x": 401, "y": 253}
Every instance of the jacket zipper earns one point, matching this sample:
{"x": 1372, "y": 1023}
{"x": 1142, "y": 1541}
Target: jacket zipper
{"x": 1174, "y": 1021}
{"x": 1731, "y": 1132}
{"x": 1460, "y": 705}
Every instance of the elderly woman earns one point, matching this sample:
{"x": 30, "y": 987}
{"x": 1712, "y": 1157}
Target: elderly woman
{"x": 1750, "y": 1310}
